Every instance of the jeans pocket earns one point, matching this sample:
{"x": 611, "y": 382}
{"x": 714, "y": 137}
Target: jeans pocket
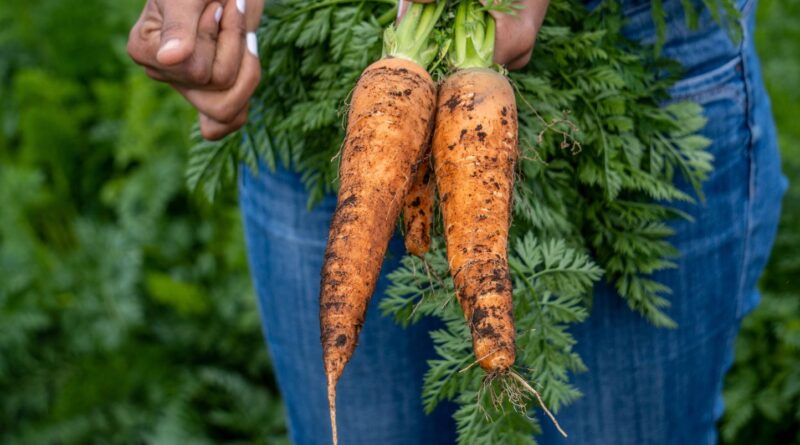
{"x": 723, "y": 83}
{"x": 724, "y": 93}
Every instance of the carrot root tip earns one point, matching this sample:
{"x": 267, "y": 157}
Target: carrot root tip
{"x": 332, "y": 408}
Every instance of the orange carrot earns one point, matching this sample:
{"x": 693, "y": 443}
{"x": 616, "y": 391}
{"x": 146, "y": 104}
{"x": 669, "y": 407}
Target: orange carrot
{"x": 418, "y": 211}
{"x": 389, "y": 126}
{"x": 474, "y": 151}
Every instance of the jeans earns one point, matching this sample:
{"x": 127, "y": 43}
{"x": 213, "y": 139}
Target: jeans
{"x": 644, "y": 385}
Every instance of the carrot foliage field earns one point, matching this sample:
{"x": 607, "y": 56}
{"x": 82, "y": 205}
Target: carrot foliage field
{"x": 126, "y": 311}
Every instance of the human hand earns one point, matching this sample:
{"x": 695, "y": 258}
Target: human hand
{"x": 205, "y": 49}
{"x": 515, "y": 35}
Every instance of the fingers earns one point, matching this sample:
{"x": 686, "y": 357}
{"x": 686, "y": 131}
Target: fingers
{"x": 515, "y": 35}
{"x": 224, "y": 106}
{"x": 213, "y": 130}
{"x": 230, "y": 47}
{"x": 520, "y": 62}
{"x": 179, "y": 30}
{"x": 222, "y": 113}
{"x": 206, "y": 57}
{"x": 145, "y": 43}
{"x": 253, "y": 14}
{"x": 144, "y": 37}
{"x": 514, "y": 39}
{"x": 204, "y": 50}
{"x": 198, "y": 68}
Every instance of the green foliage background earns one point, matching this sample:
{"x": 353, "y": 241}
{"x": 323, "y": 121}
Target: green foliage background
{"x": 126, "y": 312}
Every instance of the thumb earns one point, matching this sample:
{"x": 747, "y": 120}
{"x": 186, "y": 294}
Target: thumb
{"x": 179, "y": 30}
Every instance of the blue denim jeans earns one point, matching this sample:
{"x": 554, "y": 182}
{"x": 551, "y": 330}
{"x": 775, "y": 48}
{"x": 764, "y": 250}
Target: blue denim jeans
{"x": 644, "y": 385}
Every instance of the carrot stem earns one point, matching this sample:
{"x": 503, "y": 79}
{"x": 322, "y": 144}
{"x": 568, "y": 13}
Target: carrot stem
{"x": 473, "y": 36}
{"x": 411, "y": 38}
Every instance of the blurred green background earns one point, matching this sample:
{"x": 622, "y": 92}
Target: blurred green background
{"x": 126, "y": 311}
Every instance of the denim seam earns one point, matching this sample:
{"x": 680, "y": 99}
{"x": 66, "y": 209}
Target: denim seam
{"x": 740, "y": 297}
{"x": 747, "y": 8}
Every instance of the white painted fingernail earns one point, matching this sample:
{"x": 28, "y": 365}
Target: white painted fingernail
{"x": 252, "y": 43}
{"x": 240, "y": 5}
{"x": 218, "y": 14}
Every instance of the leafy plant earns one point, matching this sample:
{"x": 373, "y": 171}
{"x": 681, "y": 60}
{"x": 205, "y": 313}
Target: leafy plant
{"x": 126, "y": 313}
{"x": 600, "y": 156}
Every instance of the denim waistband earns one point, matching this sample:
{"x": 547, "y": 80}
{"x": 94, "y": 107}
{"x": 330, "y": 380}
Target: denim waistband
{"x": 703, "y": 49}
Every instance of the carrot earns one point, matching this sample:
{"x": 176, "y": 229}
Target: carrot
{"x": 389, "y": 126}
{"x": 418, "y": 211}
{"x": 474, "y": 152}
{"x": 381, "y": 150}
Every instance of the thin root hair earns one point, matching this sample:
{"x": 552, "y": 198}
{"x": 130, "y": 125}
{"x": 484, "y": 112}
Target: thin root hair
{"x": 567, "y": 139}
{"x": 527, "y": 387}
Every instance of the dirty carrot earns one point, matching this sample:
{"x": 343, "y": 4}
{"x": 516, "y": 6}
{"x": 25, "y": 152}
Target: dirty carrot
{"x": 474, "y": 152}
{"x": 389, "y": 126}
{"x": 418, "y": 211}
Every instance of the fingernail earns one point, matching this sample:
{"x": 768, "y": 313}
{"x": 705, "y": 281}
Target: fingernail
{"x": 240, "y": 5}
{"x": 252, "y": 43}
{"x": 169, "y": 44}
{"x": 399, "y": 8}
{"x": 218, "y": 14}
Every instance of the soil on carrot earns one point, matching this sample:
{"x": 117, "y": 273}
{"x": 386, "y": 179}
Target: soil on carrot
{"x": 418, "y": 211}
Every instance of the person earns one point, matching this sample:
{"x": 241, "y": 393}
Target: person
{"x": 644, "y": 385}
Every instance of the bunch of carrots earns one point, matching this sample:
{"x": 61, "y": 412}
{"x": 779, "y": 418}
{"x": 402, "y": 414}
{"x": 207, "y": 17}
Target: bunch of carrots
{"x": 404, "y": 135}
